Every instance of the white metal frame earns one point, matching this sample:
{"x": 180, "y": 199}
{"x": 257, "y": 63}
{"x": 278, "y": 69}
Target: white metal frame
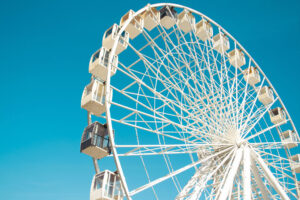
{"x": 255, "y": 162}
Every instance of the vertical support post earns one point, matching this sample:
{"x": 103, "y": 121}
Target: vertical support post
{"x": 231, "y": 175}
{"x": 258, "y": 181}
{"x": 269, "y": 175}
{"x": 246, "y": 174}
{"x": 97, "y": 169}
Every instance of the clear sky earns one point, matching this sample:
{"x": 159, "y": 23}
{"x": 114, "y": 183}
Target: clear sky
{"x": 45, "y": 47}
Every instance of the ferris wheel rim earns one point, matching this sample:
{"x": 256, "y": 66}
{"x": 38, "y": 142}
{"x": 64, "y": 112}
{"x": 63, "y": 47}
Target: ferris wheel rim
{"x": 107, "y": 103}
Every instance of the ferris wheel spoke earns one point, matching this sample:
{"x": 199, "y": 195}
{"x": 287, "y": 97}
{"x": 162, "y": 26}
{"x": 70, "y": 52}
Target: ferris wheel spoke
{"x": 244, "y": 111}
{"x": 161, "y": 149}
{"x": 253, "y": 105}
{"x": 148, "y": 130}
{"x": 221, "y": 103}
{"x": 185, "y": 129}
{"x": 207, "y": 63}
{"x": 275, "y": 159}
{"x": 185, "y": 63}
{"x": 181, "y": 92}
{"x": 234, "y": 93}
{"x": 162, "y": 116}
{"x": 265, "y": 130}
{"x": 174, "y": 173}
{"x": 150, "y": 111}
{"x": 269, "y": 175}
{"x": 257, "y": 178}
{"x": 210, "y": 103}
{"x": 246, "y": 174}
{"x": 230, "y": 88}
{"x": 228, "y": 180}
{"x": 242, "y": 105}
{"x": 254, "y": 119}
{"x": 163, "y": 98}
{"x": 200, "y": 179}
{"x": 271, "y": 145}
{"x": 165, "y": 53}
{"x": 168, "y": 40}
{"x": 219, "y": 178}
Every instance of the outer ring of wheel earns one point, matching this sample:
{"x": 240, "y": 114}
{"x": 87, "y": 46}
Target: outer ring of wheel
{"x": 107, "y": 103}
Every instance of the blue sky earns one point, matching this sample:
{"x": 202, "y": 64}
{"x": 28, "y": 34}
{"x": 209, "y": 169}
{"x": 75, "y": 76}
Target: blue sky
{"x": 45, "y": 48}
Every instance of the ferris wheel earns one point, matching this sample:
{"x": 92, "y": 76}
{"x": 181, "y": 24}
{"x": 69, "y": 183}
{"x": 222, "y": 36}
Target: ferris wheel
{"x": 178, "y": 109}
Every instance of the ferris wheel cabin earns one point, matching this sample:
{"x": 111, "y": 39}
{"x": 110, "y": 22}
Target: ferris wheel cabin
{"x": 221, "y": 43}
{"x": 168, "y": 16}
{"x": 151, "y": 17}
{"x": 277, "y": 115}
{"x": 237, "y": 58}
{"x": 93, "y": 97}
{"x": 186, "y": 21}
{"x": 295, "y": 164}
{"x": 99, "y": 64}
{"x": 135, "y": 26}
{"x": 204, "y": 30}
{"x": 110, "y": 37}
{"x": 106, "y": 186}
{"x": 251, "y": 75}
{"x": 289, "y": 139}
{"x": 95, "y": 141}
{"x": 266, "y": 95}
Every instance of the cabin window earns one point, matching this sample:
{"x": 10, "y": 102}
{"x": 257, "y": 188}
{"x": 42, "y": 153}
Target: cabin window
{"x": 125, "y": 17}
{"x": 88, "y": 134}
{"x": 103, "y": 100}
{"x": 106, "y": 56}
{"x": 98, "y": 182}
{"x": 105, "y": 142}
{"x": 168, "y": 11}
{"x": 110, "y": 186}
{"x": 275, "y": 112}
{"x": 97, "y": 141}
{"x": 109, "y": 31}
{"x": 96, "y": 56}
{"x": 117, "y": 188}
{"x": 88, "y": 90}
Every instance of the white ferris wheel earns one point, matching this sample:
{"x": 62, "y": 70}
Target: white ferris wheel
{"x": 178, "y": 109}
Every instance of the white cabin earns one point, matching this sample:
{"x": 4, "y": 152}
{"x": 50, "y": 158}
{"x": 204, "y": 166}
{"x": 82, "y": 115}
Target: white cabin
{"x": 106, "y": 186}
{"x": 95, "y": 141}
{"x": 93, "y": 97}
{"x": 204, "y": 30}
{"x": 237, "y": 58}
{"x": 135, "y": 26}
{"x": 168, "y": 16}
{"x": 295, "y": 164}
{"x": 277, "y": 115}
{"x": 265, "y": 95}
{"x": 251, "y": 75}
{"x": 186, "y": 21}
{"x": 221, "y": 43}
{"x": 289, "y": 139}
{"x": 99, "y": 63}
{"x": 110, "y": 37}
{"x": 151, "y": 17}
